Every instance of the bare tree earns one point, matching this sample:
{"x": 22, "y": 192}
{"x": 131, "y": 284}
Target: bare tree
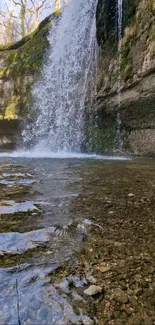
{"x": 23, "y": 10}
{"x": 20, "y": 17}
{"x": 8, "y": 25}
{"x": 37, "y": 8}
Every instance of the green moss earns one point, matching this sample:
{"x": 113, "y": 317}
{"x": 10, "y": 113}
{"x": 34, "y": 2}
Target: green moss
{"x": 103, "y": 140}
{"x": 27, "y": 54}
{"x": 126, "y": 62}
{"x": 100, "y": 133}
{"x": 29, "y": 57}
{"x": 11, "y": 111}
{"x": 106, "y": 19}
{"x": 129, "y": 11}
{"x": 126, "y": 68}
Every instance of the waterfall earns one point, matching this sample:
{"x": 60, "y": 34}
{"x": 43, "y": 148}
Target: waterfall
{"x": 59, "y": 95}
{"x": 119, "y": 24}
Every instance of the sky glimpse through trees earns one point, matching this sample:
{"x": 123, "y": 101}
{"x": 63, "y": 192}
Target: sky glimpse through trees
{"x": 20, "y": 17}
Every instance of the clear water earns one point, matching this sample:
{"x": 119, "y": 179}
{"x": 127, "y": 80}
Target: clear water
{"x": 61, "y": 93}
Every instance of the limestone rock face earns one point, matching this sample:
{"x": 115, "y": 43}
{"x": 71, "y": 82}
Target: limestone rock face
{"x": 137, "y": 72}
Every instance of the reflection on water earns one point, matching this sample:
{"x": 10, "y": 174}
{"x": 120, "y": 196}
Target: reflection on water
{"x": 47, "y": 208}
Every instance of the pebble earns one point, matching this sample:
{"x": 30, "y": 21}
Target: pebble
{"x": 151, "y": 270}
{"x": 148, "y": 293}
{"x": 131, "y": 195}
{"x": 138, "y": 278}
{"x": 123, "y": 285}
{"x": 127, "y": 309}
{"x": 145, "y": 285}
{"x": 91, "y": 279}
{"x": 133, "y": 301}
{"x": 102, "y": 268}
{"x": 93, "y": 290}
{"x": 152, "y": 301}
{"x": 137, "y": 320}
{"x": 138, "y": 291}
{"x": 121, "y": 296}
{"x": 63, "y": 285}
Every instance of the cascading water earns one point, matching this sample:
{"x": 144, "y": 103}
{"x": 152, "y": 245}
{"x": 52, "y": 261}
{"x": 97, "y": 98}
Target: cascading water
{"x": 119, "y": 23}
{"x": 59, "y": 97}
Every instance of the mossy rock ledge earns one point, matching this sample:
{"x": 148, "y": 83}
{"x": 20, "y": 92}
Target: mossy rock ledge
{"x": 136, "y": 104}
{"x": 20, "y": 64}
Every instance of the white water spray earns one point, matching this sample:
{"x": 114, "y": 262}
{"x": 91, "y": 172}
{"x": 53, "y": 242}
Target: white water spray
{"x": 120, "y": 23}
{"x": 60, "y": 94}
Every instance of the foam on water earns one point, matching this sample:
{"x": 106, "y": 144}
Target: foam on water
{"x": 58, "y": 155}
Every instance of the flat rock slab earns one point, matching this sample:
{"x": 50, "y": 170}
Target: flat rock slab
{"x": 93, "y": 290}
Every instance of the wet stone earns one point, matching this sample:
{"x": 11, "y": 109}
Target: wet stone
{"x": 148, "y": 321}
{"x": 133, "y": 301}
{"x": 36, "y": 304}
{"x": 136, "y": 320}
{"x": 103, "y": 268}
{"x": 123, "y": 286}
{"x": 127, "y": 309}
{"x": 120, "y": 296}
{"x": 149, "y": 293}
{"x": 138, "y": 278}
{"x": 152, "y": 301}
{"x": 91, "y": 279}
{"x": 151, "y": 270}
{"x": 145, "y": 285}
{"x": 138, "y": 291}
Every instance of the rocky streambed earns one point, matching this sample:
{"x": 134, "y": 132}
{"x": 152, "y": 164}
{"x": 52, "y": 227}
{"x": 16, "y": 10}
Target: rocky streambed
{"x": 77, "y": 241}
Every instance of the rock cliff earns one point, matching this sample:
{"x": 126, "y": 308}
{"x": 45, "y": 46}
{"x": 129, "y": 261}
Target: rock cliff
{"x": 20, "y": 66}
{"x": 137, "y": 72}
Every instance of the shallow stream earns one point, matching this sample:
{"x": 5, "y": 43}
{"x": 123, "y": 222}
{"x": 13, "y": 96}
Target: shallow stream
{"x": 49, "y": 209}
